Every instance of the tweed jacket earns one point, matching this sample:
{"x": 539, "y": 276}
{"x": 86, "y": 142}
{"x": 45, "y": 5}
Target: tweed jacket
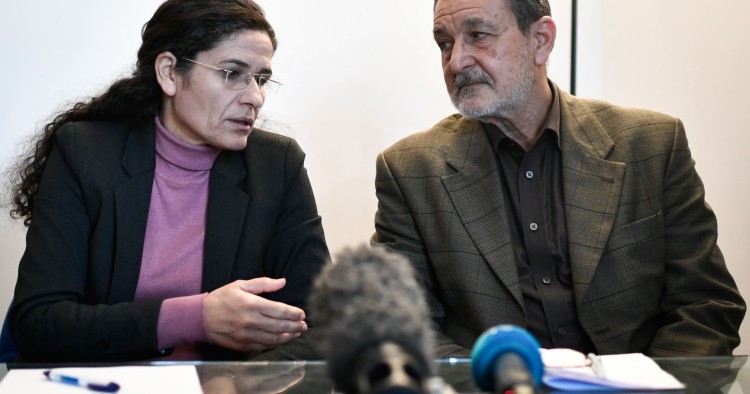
{"x": 78, "y": 275}
{"x": 647, "y": 273}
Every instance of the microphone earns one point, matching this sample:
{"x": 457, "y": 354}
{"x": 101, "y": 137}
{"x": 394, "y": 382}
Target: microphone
{"x": 373, "y": 324}
{"x": 507, "y": 357}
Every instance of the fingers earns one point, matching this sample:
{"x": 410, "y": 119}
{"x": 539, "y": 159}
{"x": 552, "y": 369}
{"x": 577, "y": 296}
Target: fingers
{"x": 236, "y": 318}
{"x": 256, "y": 341}
{"x": 261, "y": 340}
{"x": 272, "y": 317}
{"x": 271, "y": 309}
{"x": 249, "y": 339}
{"x": 262, "y": 285}
{"x": 279, "y": 311}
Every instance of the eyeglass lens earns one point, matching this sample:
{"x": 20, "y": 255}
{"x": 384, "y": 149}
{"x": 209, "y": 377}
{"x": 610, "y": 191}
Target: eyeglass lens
{"x": 238, "y": 81}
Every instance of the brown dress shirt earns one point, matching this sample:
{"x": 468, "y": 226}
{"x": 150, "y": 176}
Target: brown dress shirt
{"x": 533, "y": 191}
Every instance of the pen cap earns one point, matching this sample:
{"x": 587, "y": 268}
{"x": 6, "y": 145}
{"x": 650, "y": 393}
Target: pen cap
{"x": 498, "y": 341}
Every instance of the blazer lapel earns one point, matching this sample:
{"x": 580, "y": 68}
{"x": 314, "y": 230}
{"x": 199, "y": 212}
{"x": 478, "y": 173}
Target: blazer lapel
{"x": 477, "y": 196}
{"x": 227, "y": 207}
{"x": 592, "y": 187}
{"x": 132, "y": 200}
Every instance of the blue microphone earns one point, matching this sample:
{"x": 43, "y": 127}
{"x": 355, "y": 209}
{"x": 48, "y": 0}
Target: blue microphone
{"x": 507, "y": 357}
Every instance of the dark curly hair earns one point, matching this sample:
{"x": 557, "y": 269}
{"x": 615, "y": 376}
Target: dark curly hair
{"x": 182, "y": 27}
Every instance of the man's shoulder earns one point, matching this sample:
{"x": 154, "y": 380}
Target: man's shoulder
{"x": 616, "y": 118}
{"x": 437, "y": 137}
{"x": 627, "y": 133}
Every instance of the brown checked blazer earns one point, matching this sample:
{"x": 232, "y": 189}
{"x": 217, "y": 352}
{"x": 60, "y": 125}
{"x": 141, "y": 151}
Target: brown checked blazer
{"x": 648, "y": 275}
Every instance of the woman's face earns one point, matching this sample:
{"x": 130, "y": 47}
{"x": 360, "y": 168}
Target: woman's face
{"x": 202, "y": 108}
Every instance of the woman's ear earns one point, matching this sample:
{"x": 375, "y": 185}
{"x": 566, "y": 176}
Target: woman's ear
{"x": 165, "y": 72}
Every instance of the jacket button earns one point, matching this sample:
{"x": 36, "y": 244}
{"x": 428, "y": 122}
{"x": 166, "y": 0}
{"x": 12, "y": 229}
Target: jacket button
{"x": 105, "y": 343}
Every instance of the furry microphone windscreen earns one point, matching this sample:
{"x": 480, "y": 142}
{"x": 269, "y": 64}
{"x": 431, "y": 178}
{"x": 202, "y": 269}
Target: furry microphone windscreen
{"x": 366, "y": 298}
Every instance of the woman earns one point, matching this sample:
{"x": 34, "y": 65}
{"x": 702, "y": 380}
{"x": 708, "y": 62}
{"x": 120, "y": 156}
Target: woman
{"x": 160, "y": 223}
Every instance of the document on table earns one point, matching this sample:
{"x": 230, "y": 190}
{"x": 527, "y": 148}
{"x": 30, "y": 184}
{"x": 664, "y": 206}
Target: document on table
{"x": 571, "y": 370}
{"x": 182, "y": 379}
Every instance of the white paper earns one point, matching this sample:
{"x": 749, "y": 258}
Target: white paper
{"x": 182, "y": 379}
{"x": 633, "y": 371}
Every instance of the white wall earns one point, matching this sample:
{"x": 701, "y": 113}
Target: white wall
{"x": 687, "y": 58}
{"x": 358, "y": 75}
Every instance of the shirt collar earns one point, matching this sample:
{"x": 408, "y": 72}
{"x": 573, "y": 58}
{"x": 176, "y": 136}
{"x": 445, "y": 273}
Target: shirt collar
{"x": 551, "y": 122}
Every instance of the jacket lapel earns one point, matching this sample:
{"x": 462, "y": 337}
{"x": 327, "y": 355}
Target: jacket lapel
{"x": 477, "y": 196}
{"x": 591, "y": 188}
{"x": 227, "y": 207}
{"x": 132, "y": 200}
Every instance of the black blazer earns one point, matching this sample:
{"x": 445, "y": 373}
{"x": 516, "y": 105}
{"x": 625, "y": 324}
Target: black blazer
{"x": 77, "y": 278}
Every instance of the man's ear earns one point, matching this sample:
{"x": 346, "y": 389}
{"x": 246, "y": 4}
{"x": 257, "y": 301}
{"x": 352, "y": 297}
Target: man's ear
{"x": 164, "y": 65}
{"x": 543, "y": 33}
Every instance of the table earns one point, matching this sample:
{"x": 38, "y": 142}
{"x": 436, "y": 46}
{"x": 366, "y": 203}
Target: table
{"x": 701, "y": 375}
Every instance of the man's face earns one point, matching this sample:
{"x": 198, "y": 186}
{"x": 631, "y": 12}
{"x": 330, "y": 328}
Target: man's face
{"x": 488, "y": 63}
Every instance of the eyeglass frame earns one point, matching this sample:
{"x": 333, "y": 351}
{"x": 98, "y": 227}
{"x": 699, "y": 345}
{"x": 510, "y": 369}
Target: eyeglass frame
{"x": 261, "y": 79}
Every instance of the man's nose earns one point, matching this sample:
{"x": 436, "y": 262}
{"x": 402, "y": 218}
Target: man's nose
{"x": 461, "y": 58}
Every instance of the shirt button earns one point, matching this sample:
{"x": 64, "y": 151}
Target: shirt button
{"x": 562, "y": 331}
{"x": 533, "y": 226}
{"x": 546, "y": 280}
{"x": 529, "y": 174}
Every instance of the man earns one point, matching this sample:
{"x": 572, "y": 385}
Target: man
{"x": 579, "y": 220}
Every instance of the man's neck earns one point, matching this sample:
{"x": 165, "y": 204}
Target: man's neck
{"x": 524, "y": 125}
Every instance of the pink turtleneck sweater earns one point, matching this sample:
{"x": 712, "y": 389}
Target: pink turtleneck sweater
{"x": 172, "y": 265}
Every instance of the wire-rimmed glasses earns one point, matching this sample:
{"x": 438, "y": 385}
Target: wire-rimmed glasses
{"x": 236, "y": 80}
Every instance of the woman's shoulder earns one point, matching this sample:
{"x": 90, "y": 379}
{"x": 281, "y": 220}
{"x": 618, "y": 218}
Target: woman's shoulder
{"x": 104, "y": 144}
{"x": 272, "y": 143}
{"x": 260, "y": 136}
{"x": 96, "y": 134}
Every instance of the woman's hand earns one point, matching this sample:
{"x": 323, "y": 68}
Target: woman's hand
{"x": 236, "y": 318}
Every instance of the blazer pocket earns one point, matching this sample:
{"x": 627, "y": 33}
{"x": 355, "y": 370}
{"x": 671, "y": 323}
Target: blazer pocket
{"x": 640, "y": 231}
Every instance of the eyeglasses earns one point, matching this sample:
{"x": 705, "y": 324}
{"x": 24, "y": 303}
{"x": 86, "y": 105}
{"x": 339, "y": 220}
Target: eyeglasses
{"x": 238, "y": 81}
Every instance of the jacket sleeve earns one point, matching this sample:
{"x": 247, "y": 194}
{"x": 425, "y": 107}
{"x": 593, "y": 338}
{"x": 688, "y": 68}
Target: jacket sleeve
{"x": 396, "y": 231}
{"x": 54, "y": 316}
{"x": 297, "y": 251}
{"x": 702, "y": 308}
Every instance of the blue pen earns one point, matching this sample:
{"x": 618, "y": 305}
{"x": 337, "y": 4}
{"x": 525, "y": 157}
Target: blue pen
{"x": 110, "y": 387}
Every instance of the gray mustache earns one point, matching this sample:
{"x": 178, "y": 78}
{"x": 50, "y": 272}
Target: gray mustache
{"x": 470, "y": 77}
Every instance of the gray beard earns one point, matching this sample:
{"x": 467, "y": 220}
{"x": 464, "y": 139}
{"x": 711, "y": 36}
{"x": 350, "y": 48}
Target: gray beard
{"x": 501, "y": 104}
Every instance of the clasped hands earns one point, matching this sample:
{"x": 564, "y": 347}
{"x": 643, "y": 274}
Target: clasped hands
{"x": 237, "y": 318}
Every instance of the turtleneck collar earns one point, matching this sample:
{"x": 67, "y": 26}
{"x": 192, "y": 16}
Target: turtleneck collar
{"x": 180, "y": 156}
